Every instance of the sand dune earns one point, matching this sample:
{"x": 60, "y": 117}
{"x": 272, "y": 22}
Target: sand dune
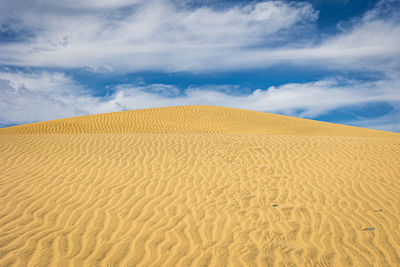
{"x": 193, "y": 120}
{"x": 198, "y": 186}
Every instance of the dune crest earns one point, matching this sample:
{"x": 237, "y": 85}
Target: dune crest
{"x": 198, "y": 186}
{"x": 193, "y": 120}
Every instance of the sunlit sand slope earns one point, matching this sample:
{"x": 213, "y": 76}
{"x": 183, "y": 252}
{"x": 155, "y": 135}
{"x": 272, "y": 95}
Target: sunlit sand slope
{"x": 219, "y": 192}
{"x": 193, "y": 119}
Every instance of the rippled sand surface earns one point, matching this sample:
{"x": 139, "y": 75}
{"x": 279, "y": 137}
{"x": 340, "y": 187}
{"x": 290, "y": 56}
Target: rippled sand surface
{"x": 198, "y": 186}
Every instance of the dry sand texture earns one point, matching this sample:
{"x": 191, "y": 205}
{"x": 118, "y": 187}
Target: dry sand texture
{"x": 198, "y": 186}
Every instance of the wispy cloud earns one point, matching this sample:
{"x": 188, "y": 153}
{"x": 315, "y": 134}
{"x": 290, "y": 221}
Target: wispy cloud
{"x": 20, "y": 103}
{"x": 148, "y": 35}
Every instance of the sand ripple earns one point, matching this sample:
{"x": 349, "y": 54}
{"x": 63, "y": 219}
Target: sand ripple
{"x": 179, "y": 199}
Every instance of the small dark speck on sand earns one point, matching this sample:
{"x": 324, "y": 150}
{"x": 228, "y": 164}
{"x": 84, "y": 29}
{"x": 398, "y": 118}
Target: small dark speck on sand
{"x": 369, "y": 229}
{"x": 275, "y": 205}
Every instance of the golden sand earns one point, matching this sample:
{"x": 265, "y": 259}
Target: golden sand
{"x": 198, "y": 186}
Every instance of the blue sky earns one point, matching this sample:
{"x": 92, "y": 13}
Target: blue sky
{"x": 329, "y": 60}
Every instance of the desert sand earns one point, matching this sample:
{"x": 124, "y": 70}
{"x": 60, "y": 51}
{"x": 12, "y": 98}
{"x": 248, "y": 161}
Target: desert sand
{"x": 198, "y": 186}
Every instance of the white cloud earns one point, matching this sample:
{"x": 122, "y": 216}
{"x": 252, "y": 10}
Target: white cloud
{"x": 16, "y": 7}
{"x": 21, "y": 105}
{"x": 151, "y": 34}
{"x": 387, "y": 122}
{"x": 44, "y": 82}
{"x": 130, "y": 35}
{"x": 28, "y": 97}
